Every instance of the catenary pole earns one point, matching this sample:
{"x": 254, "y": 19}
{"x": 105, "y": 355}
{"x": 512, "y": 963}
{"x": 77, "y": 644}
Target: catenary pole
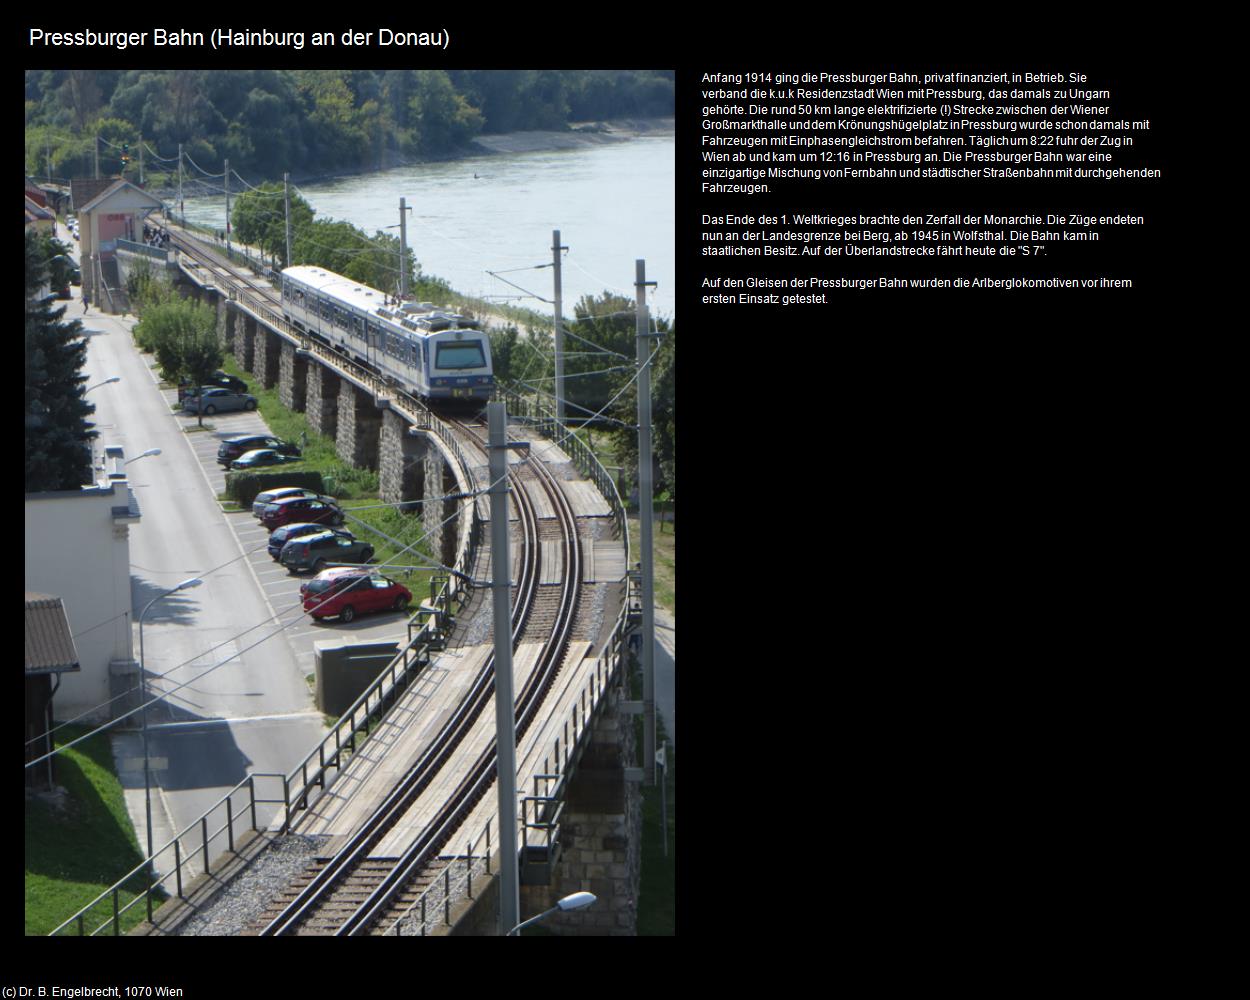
{"x": 505, "y": 711}
{"x": 403, "y": 251}
{"x": 644, "y": 341}
{"x": 227, "y": 209}
{"x": 286, "y": 208}
{"x": 559, "y": 307}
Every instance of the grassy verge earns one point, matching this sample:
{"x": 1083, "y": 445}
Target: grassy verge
{"x": 657, "y": 893}
{"x": 76, "y": 850}
{"x": 356, "y": 489}
{"x": 318, "y": 452}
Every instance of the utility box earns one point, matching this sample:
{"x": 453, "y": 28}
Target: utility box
{"x": 345, "y": 669}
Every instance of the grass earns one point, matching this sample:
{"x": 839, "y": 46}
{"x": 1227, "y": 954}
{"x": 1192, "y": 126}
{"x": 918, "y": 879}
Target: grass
{"x": 358, "y": 492}
{"x": 355, "y": 489}
{"x": 657, "y": 893}
{"x": 76, "y": 851}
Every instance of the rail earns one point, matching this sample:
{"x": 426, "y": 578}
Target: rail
{"x": 534, "y": 411}
{"x": 540, "y": 812}
{"x": 296, "y": 795}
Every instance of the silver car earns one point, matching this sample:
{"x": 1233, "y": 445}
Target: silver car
{"x": 212, "y": 399}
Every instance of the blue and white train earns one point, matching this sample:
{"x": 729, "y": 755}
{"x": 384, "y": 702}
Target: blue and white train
{"x": 430, "y": 353}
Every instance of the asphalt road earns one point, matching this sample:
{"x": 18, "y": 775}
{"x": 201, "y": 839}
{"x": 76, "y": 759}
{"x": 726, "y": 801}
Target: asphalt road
{"x": 241, "y": 638}
{"x": 252, "y": 711}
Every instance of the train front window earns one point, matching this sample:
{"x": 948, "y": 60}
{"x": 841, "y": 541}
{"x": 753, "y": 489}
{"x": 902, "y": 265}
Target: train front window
{"x": 460, "y": 354}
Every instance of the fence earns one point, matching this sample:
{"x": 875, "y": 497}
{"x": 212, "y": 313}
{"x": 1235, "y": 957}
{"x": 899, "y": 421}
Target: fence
{"x": 239, "y": 805}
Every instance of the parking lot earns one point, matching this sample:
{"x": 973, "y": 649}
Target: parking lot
{"x": 281, "y": 588}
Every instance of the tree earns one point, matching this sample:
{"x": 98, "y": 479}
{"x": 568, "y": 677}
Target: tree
{"x": 183, "y": 336}
{"x": 602, "y": 353}
{"x": 58, "y": 434}
{"x": 259, "y": 218}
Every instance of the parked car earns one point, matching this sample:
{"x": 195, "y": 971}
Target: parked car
{"x": 347, "y": 592}
{"x": 264, "y": 499}
{"x": 261, "y": 457}
{"x": 219, "y": 380}
{"x": 288, "y": 532}
{"x": 313, "y": 552}
{"x": 235, "y": 447}
{"x": 75, "y": 275}
{"x": 301, "y": 509}
{"x": 212, "y": 399}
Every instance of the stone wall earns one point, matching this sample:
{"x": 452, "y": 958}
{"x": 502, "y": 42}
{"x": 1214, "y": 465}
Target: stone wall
{"x": 292, "y": 378}
{"x": 360, "y": 426}
{"x": 244, "y": 338}
{"x": 266, "y": 356}
{"x": 322, "y": 400}
{"x": 401, "y": 461}
{"x": 600, "y": 835}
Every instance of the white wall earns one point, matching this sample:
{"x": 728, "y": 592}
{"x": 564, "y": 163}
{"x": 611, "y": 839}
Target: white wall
{"x": 76, "y": 551}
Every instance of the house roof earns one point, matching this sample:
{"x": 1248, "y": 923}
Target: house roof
{"x": 49, "y": 644}
{"x": 33, "y": 208}
{"x": 84, "y": 189}
{"x": 133, "y": 197}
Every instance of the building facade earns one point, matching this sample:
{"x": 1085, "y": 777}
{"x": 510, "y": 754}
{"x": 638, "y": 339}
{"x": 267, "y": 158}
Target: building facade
{"x": 78, "y": 547}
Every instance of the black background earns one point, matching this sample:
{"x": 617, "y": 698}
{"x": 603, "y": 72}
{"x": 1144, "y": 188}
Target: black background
{"x": 905, "y": 564}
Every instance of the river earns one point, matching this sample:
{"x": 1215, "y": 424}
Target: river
{"x": 612, "y": 202}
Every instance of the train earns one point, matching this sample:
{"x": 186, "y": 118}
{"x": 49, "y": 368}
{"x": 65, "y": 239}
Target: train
{"x": 432, "y": 353}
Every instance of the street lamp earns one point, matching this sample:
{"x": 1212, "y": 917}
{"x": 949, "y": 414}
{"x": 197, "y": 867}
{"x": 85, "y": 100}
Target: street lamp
{"x": 157, "y": 451}
{"x": 112, "y": 378}
{"x": 577, "y": 901}
{"x": 147, "y": 771}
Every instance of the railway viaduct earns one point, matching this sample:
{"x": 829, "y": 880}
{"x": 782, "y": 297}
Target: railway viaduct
{"x": 602, "y": 813}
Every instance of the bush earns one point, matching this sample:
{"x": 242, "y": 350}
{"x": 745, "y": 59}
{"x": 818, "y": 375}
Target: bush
{"x": 242, "y": 487}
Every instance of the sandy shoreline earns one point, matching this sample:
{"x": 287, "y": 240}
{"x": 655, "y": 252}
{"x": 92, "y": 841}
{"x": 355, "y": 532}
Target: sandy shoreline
{"x": 579, "y": 135}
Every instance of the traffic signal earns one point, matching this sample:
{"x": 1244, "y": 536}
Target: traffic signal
{"x": 125, "y": 153}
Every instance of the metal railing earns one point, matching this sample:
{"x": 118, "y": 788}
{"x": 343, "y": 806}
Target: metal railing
{"x": 537, "y": 412}
{"x": 300, "y": 787}
{"x": 155, "y": 888}
{"x": 540, "y": 813}
{"x": 143, "y": 250}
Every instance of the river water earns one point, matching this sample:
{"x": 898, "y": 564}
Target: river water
{"x": 613, "y": 204}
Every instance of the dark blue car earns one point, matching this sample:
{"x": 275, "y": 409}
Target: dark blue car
{"x": 284, "y": 534}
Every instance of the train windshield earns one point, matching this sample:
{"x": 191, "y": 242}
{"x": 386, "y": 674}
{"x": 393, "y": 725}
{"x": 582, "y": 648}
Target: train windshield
{"x": 460, "y": 354}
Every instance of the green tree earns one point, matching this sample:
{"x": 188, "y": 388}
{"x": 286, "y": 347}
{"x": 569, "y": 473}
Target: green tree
{"x": 259, "y": 218}
{"x": 58, "y": 434}
{"x": 443, "y": 119}
{"x": 602, "y": 360}
{"x": 183, "y": 336}
{"x": 346, "y": 250}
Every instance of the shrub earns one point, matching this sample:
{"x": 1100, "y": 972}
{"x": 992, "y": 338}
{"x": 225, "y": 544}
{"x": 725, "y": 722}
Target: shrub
{"x": 242, "y": 487}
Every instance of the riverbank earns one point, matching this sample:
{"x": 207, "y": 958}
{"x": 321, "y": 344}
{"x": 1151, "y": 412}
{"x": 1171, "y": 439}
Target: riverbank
{"x": 578, "y": 135}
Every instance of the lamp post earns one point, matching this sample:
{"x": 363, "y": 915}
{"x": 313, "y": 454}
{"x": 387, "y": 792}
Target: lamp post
{"x": 157, "y": 451}
{"x": 577, "y": 901}
{"x": 111, "y": 378}
{"x": 147, "y": 771}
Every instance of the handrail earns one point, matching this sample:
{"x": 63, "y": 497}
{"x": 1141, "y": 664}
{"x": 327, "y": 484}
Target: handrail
{"x": 602, "y": 677}
{"x": 535, "y": 411}
{"x": 414, "y": 657}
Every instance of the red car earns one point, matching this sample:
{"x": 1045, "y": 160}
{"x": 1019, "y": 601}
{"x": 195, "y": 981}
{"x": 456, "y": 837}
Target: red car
{"x": 348, "y": 591}
{"x": 297, "y": 509}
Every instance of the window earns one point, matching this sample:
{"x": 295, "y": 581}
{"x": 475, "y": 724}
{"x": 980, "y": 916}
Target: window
{"x": 459, "y": 354}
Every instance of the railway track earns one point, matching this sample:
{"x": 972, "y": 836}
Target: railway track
{"x": 354, "y": 892}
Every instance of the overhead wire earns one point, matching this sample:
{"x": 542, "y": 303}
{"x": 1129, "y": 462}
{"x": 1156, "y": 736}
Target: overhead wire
{"x": 277, "y": 615}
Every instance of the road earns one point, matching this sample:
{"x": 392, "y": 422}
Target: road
{"x": 255, "y": 712}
